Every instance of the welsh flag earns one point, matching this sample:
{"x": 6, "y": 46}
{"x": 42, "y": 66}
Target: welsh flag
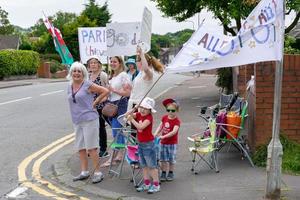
{"x": 59, "y": 43}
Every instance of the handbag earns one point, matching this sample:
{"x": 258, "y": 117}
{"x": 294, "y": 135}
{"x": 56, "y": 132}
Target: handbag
{"x": 110, "y": 109}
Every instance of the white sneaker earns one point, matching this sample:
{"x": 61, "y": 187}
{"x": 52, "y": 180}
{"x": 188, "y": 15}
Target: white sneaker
{"x": 154, "y": 189}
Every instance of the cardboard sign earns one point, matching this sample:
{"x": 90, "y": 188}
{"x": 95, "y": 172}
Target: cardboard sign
{"x": 122, "y": 38}
{"x": 92, "y": 41}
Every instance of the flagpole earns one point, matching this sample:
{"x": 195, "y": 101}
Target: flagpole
{"x": 274, "y": 161}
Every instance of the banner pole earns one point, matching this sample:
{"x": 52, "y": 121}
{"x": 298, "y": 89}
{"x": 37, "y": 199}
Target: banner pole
{"x": 275, "y": 152}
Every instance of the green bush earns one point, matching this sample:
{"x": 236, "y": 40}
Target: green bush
{"x": 18, "y": 62}
{"x": 56, "y": 66}
{"x": 225, "y": 79}
{"x": 50, "y": 57}
{"x": 290, "y": 159}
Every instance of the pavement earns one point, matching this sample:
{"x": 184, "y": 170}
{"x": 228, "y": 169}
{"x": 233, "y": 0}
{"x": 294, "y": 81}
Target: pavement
{"x": 236, "y": 180}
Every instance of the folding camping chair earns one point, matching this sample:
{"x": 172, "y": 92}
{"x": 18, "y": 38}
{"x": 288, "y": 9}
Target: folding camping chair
{"x": 126, "y": 131}
{"x": 211, "y": 111}
{"x": 239, "y": 140}
{"x": 205, "y": 149}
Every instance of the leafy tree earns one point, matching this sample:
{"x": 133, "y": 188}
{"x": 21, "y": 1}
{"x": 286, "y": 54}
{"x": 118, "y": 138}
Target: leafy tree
{"x": 225, "y": 11}
{"x": 5, "y": 27}
{"x": 59, "y": 20}
{"x": 96, "y": 12}
{"x": 70, "y": 33}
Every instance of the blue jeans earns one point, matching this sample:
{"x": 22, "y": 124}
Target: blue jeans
{"x": 122, "y": 108}
{"x": 147, "y": 154}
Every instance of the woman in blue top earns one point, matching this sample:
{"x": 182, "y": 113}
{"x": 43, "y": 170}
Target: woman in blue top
{"x": 85, "y": 118}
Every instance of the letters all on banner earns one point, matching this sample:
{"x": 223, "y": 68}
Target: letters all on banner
{"x": 259, "y": 39}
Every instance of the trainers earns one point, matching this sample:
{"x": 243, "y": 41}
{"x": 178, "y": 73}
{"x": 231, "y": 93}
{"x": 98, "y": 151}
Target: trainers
{"x": 103, "y": 154}
{"x": 81, "y": 177}
{"x": 143, "y": 187}
{"x": 97, "y": 178}
{"x": 170, "y": 177}
{"x": 153, "y": 189}
{"x": 163, "y": 177}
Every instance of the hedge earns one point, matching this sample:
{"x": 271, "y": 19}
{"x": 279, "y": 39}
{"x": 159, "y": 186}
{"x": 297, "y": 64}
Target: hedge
{"x": 18, "y": 62}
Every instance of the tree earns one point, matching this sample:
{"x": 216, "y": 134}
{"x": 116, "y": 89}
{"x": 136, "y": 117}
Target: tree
{"x": 98, "y": 13}
{"x": 225, "y": 11}
{"x": 5, "y": 27}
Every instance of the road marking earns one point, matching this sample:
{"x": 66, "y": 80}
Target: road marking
{"x": 23, "y": 165}
{"x": 37, "y": 176}
{"x": 16, "y": 192}
{"x": 196, "y": 87}
{"x": 49, "y": 93}
{"x": 196, "y": 98}
{"x": 160, "y": 94}
{"x": 16, "y": 100}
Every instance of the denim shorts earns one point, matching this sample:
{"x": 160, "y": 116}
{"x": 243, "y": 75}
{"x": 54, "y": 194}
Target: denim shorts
{"x": 168, "y": 153}
{"x": 147, "y": 154}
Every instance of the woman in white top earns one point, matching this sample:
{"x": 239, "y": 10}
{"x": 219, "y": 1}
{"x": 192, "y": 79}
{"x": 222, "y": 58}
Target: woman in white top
{"x": 144, "y": 80}
{"x": 120, "y": 89}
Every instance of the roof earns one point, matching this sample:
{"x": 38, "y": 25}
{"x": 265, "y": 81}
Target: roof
{"x": 9, "y": 42}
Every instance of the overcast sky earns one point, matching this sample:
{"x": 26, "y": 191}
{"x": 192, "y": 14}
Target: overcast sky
{"x": 25, "y": 13}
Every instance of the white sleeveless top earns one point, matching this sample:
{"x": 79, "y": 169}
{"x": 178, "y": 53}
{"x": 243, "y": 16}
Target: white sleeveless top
{"x": 139, "y": 89}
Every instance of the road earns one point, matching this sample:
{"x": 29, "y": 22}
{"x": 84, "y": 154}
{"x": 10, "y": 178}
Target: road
{"x": 34, "y": 116}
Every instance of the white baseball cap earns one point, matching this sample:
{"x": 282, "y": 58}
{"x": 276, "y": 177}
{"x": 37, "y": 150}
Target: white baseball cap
{"x": 148, "y": 103}
{"x": 94, "y": 57}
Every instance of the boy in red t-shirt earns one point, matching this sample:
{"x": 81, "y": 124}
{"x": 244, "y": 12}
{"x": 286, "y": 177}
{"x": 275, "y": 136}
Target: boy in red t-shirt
{"x": 168, "y": 134}
{"x": 143, "y": 122}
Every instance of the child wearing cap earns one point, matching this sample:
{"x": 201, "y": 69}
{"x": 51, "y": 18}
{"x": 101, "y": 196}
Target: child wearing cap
{"x": 143, "y": 121}
{"x": 167, "y": 131}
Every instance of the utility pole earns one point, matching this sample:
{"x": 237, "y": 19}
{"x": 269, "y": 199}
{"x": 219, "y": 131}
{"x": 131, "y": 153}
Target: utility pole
{"x": 275, "y": 152}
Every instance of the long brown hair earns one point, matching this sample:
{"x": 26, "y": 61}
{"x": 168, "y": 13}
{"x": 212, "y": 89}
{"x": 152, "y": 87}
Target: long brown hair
{"x": 151, "y": 60}
{"x": 120, "y": 60}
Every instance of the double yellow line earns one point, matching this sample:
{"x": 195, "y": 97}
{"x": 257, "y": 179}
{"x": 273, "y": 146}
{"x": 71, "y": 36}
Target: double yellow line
{"x": 36, "y": 176}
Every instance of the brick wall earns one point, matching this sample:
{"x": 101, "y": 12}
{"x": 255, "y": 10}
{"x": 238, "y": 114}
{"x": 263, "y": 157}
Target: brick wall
{"x": 263, "y": 109}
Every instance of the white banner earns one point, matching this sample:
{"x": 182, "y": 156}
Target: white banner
{"x": 92, "y": 41}
{"x": 259, "y": 39}
{"x": 122, "y": 38}
{"x": 145, "y": 39}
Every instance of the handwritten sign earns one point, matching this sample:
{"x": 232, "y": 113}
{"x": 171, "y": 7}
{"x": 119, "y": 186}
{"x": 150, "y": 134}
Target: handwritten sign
{"x": 122, "y": 38}
{"x": 92, "y": 41}
{"x": 145, "y": 39}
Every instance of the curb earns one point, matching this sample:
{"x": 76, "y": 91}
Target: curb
{"x": 12, "y": 84}
{"x": 62, "y": 175}
{"x": 15, "y": 85}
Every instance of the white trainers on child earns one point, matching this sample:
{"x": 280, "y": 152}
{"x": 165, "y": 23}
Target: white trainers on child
{"x": 154, "y": 189}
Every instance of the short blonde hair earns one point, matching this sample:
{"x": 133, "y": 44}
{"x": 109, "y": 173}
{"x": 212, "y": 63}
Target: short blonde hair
{"x": 79, "y": 66}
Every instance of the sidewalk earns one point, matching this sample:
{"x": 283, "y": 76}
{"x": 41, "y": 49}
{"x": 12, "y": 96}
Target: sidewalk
{"x": 16, "y": 83}
{"x": 237, "y": 180}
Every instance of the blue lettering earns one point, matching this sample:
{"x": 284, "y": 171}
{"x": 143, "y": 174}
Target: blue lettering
{"x": 228, "y": 52}
{"x": 91, "y": 36}
{"x": 262, "y": 41}
{"x": 84, "y": 34}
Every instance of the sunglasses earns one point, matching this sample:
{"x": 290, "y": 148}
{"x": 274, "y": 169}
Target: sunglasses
{"x": 171, "y": 110}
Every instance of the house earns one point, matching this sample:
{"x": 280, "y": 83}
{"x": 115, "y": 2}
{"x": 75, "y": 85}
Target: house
{"x": 166, "y": 55}
{"x": 9, "y": 42}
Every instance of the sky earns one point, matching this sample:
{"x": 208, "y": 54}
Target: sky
{"x": 25, "y": 13}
